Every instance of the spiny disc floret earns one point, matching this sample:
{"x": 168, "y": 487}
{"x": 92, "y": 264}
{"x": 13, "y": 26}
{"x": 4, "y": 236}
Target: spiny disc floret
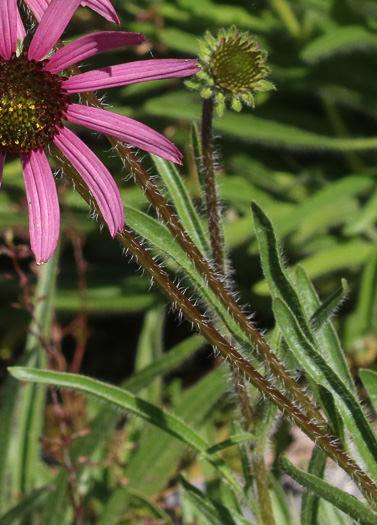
{"x": 236, "y": 66}
{"x": 32, "y": 104}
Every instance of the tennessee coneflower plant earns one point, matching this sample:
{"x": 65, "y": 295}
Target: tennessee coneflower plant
{"x": 35, "y": 101}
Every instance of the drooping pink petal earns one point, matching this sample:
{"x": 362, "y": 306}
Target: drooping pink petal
{"x": 125, "y": 129}
{"x": 2, "y": 161}
{"x": 21, "y": 33}
{"x": 90, "y": 45}
{"x": 42, "y": 200}
{"x": 38, "y": 8}
{"x": 104, "y": 8}
{"x": 8, "y": 28}
{"x": 51, "y": 27}
{"x": 124, "y": 74}
{"x": 96, "y": 176}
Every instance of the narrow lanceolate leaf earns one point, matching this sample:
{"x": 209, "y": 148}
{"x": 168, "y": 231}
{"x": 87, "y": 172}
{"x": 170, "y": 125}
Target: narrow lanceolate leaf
{"x": 210, "y": 509}
{"x": 234, "y": 440}
{"x": 324, "y": 313}
{"x": 310, "y": 500}
{"x": 24, "y": 509}
{"x": 339, "y": 40}
{"x": 183, "y": 204}
{"x": 22, "y": 409}
{"x": 348, "y": 504}
{"x": 125, "y": 400}
{"x": 320, "y": 372}
{"x": 155, "y": 462}
{"x": 250, "y": 128}
{"x": 369, "y": 379}
{"x": 367, "y": 302}
{"x": 276, "y": 275}
{"x": 326, "y": 336}
{"x": 157, "y": 234}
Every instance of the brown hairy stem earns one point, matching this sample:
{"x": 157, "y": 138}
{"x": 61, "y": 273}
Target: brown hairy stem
{"x": 316, "y": 432}
{"x": 175, "y": 227}
{"x": 210, "y": 187}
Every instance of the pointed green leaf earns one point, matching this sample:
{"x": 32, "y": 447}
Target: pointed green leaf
{"x": 348, "y": 504}
{"x": 183, "y": 204}
{"x": 125, "y": 400}
{"x": 320, "y": 372}
{"x": 215, "y": 512}
{"x": 234, "y": 440}
{"x": 25, "y": 508}
{"x": 273, "y": 266}
{"x": 310, "y": 500}
{"x": 319, "y": 314}
{"x": 339, "y": 40}
{"x": 369, "y": 379}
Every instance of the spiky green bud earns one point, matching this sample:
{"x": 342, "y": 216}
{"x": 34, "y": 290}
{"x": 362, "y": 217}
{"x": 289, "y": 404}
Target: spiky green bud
{"x": 233, "y": 69}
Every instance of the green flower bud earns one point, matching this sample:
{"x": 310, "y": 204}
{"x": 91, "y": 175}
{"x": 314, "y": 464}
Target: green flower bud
{"x": 233, "y": 69}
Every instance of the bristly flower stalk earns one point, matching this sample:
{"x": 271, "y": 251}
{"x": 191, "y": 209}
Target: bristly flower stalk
{"x": 233, "y": 68}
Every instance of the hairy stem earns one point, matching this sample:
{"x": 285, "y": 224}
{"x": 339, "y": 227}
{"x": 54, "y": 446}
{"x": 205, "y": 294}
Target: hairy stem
{"x": 261, "y": 478}
{"x": 210, "y": 187}
{"x": 175, "y": 227}
{"x": 316, "y": 432}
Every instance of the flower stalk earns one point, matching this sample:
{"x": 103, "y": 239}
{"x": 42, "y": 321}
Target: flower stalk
{"x": 316, "y": 432}
{"x": 210, "y": 186}
{"x": 143, "y": 180}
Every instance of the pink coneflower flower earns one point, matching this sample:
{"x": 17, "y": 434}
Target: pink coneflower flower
{"x": 35, "y": 100}
{"x": 103, "y": 7}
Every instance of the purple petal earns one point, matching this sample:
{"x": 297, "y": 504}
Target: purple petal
{"x": 104, "y": 8}
{"x": 98, "y": 179}
{"x": 125, "y": 129}
{"x": 51, "y": 27}
{"x": 2, "y": 161}
{"x": 90, "y": 45}
{"x": 38, "y": 7}
{"x": 21, "y": 33}
{"x": 124, "y": 74}
{"x": 8, "y": 28}
{"x": 42, "y": 199}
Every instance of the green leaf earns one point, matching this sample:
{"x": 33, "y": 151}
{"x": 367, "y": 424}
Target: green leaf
{"x": 365, "y": 219}
{"x": 160, "y": 237}
{"x": 365, "y": 315}
{"x": 369, "y": 379}
{"x": 334, "y": 417}
{"x": 234, "y": 440}
{"x": 22, "y": 409}
{"x": 155, "y": 462}
{"x": 348, "y": 504}
{"x": 26, "y": 507}
{"x": 255, "y": 129}
{"x": 320, "y": 372}
{"x": 324, "y": 313}
{"x": 339, "y": 40}
{"x": 125, "y": 400}
{"x": 183, "y": 204}
{"x": 327, "y": 338}
{"x": 273, "y": 267}
{"x": 56, "y": 507}
{"x": 216, "y": 513}
{"x": 310, "y": 500}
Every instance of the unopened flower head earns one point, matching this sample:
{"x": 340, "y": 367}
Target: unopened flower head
{"x": 35, "y": 105}
{"x": 233, "y": 69}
